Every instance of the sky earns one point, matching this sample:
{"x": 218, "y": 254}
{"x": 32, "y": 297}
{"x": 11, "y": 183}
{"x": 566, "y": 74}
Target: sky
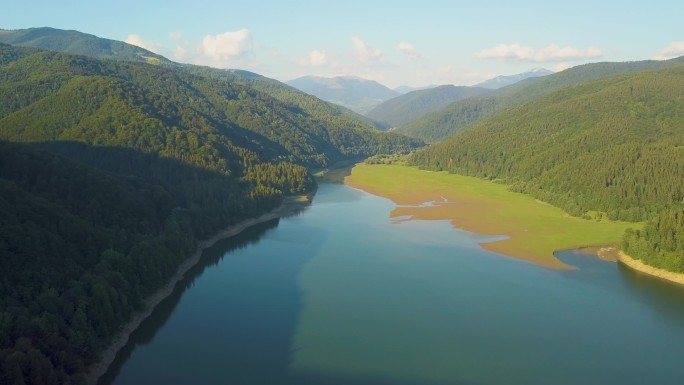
{"x": 398, "y": 42}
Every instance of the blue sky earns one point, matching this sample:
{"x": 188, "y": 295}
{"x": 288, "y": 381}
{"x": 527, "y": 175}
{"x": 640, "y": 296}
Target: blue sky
{"x": 395, "y": 42}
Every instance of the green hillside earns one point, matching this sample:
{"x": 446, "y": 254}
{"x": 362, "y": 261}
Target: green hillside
{"x": 207, "y": 121}
{"x": 439, "y": 125}
{"x": 79, "y": 43}
{"x": 611, "y": 147}
{"x": 410, "y": 106}
{"x": 122, "y": 168}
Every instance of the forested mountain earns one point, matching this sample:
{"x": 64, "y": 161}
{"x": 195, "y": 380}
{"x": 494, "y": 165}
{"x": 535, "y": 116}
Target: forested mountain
{"x": 442, "y": 124}
{"x": 124, "y": 166}
{"x": 410, "y": 106}
{"x": 613, "y": 146}
{"x": 358, "y": 94}
{"x": 210, "y": 121}
{"x": 507, "y": 80}
{"x": 79, "y": 43}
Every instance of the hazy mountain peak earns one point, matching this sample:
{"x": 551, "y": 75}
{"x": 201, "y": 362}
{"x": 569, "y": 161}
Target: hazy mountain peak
{"x": 353, "y": 92}
{"x": 507, "y": 80}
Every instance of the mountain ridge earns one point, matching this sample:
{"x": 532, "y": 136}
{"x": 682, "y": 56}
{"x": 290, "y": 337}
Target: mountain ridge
{"x": 439, "y": 125}
{"x": 506, "y": 80}
{"x": 353, "y": 92}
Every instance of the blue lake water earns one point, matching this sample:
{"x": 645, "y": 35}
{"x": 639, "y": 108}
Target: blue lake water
{"x": 339, "y": 294}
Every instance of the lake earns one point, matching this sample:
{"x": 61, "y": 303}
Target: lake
{"x": 341, "y": 294}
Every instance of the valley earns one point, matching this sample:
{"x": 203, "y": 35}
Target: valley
{"x": 296, "y": 202}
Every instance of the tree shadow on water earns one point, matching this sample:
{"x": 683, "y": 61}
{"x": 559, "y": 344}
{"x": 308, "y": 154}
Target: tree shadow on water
{"x": 255, "y": 341}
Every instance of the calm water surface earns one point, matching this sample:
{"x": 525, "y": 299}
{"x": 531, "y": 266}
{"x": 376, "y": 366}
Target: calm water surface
{"x": 340, "y": 295}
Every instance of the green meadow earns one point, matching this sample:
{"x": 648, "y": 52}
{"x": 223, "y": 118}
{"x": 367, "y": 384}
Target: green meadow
{"x": 534, "y": 229}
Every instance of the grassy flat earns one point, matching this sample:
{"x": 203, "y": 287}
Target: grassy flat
{"x": 535, "y": 229}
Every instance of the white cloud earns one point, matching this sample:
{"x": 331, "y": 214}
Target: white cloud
{"x": 409, "y": 51}
{"x": 550, "y": 53}
{"x": 222, "y": 50}
{"x": 315, "y": 59}
{"x": 364, "y": 53}
{"x": 224, "y": 47}
{"x": 674, "y": 49}
{"x": 506, "y": 51}
{"x": 556, "y": 53}
{"x": 136, "y": 40}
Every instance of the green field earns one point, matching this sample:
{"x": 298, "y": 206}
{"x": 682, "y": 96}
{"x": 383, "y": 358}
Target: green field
{"x": 534, "y": 229}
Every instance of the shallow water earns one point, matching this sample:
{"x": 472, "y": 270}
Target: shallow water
{"x": 341, "y": 294}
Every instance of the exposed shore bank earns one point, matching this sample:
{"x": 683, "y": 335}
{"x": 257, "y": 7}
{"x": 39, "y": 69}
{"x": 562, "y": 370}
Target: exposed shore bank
{"x": 650, "y": 270}
{"x": 97, "y": 370}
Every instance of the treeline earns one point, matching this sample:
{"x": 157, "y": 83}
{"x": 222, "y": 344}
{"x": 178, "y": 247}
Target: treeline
{"x": 614, "y": 145}
{"x": 661, "y": 242}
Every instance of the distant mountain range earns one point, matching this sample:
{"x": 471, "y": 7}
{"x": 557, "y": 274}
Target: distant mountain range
{"x": 357, "y": 94}
{"x": 507, "y": 80}
{"x": 441, "y": 124}
{"x": 407, "y": 89}
{"x": 410, "y": 106}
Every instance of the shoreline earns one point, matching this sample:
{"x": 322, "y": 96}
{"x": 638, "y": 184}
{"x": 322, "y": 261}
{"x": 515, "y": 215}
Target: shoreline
{"x": 641, "y": 267}
{"x": 97, "y": 370}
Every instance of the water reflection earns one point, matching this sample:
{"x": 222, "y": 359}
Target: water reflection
{"x": 148, "y": 329}
{"x": 663, "y": 297}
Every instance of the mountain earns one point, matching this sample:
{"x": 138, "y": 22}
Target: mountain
{"x": 410, "y": 106}
{"x": 297, "y": 127}
{"x": 116, "y": 171}
{"x": 442, "y": 124}
{"x": 79, "y": 43}
{"x": 507, "y": 80}
{"x": 355, "y": 93}
{"x": 612, "y": 145}
{"x": 406, "y": 89}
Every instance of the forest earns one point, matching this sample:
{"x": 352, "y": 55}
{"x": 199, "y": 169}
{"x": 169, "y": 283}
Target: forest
{"x": 607, "y": 148}
{"x": 112, "y": 171}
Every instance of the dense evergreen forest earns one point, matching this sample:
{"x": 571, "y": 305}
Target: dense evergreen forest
{"x": 441, "y": 124}
{"x": 610, "y": 147}
{"x": 111, "y": 171}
